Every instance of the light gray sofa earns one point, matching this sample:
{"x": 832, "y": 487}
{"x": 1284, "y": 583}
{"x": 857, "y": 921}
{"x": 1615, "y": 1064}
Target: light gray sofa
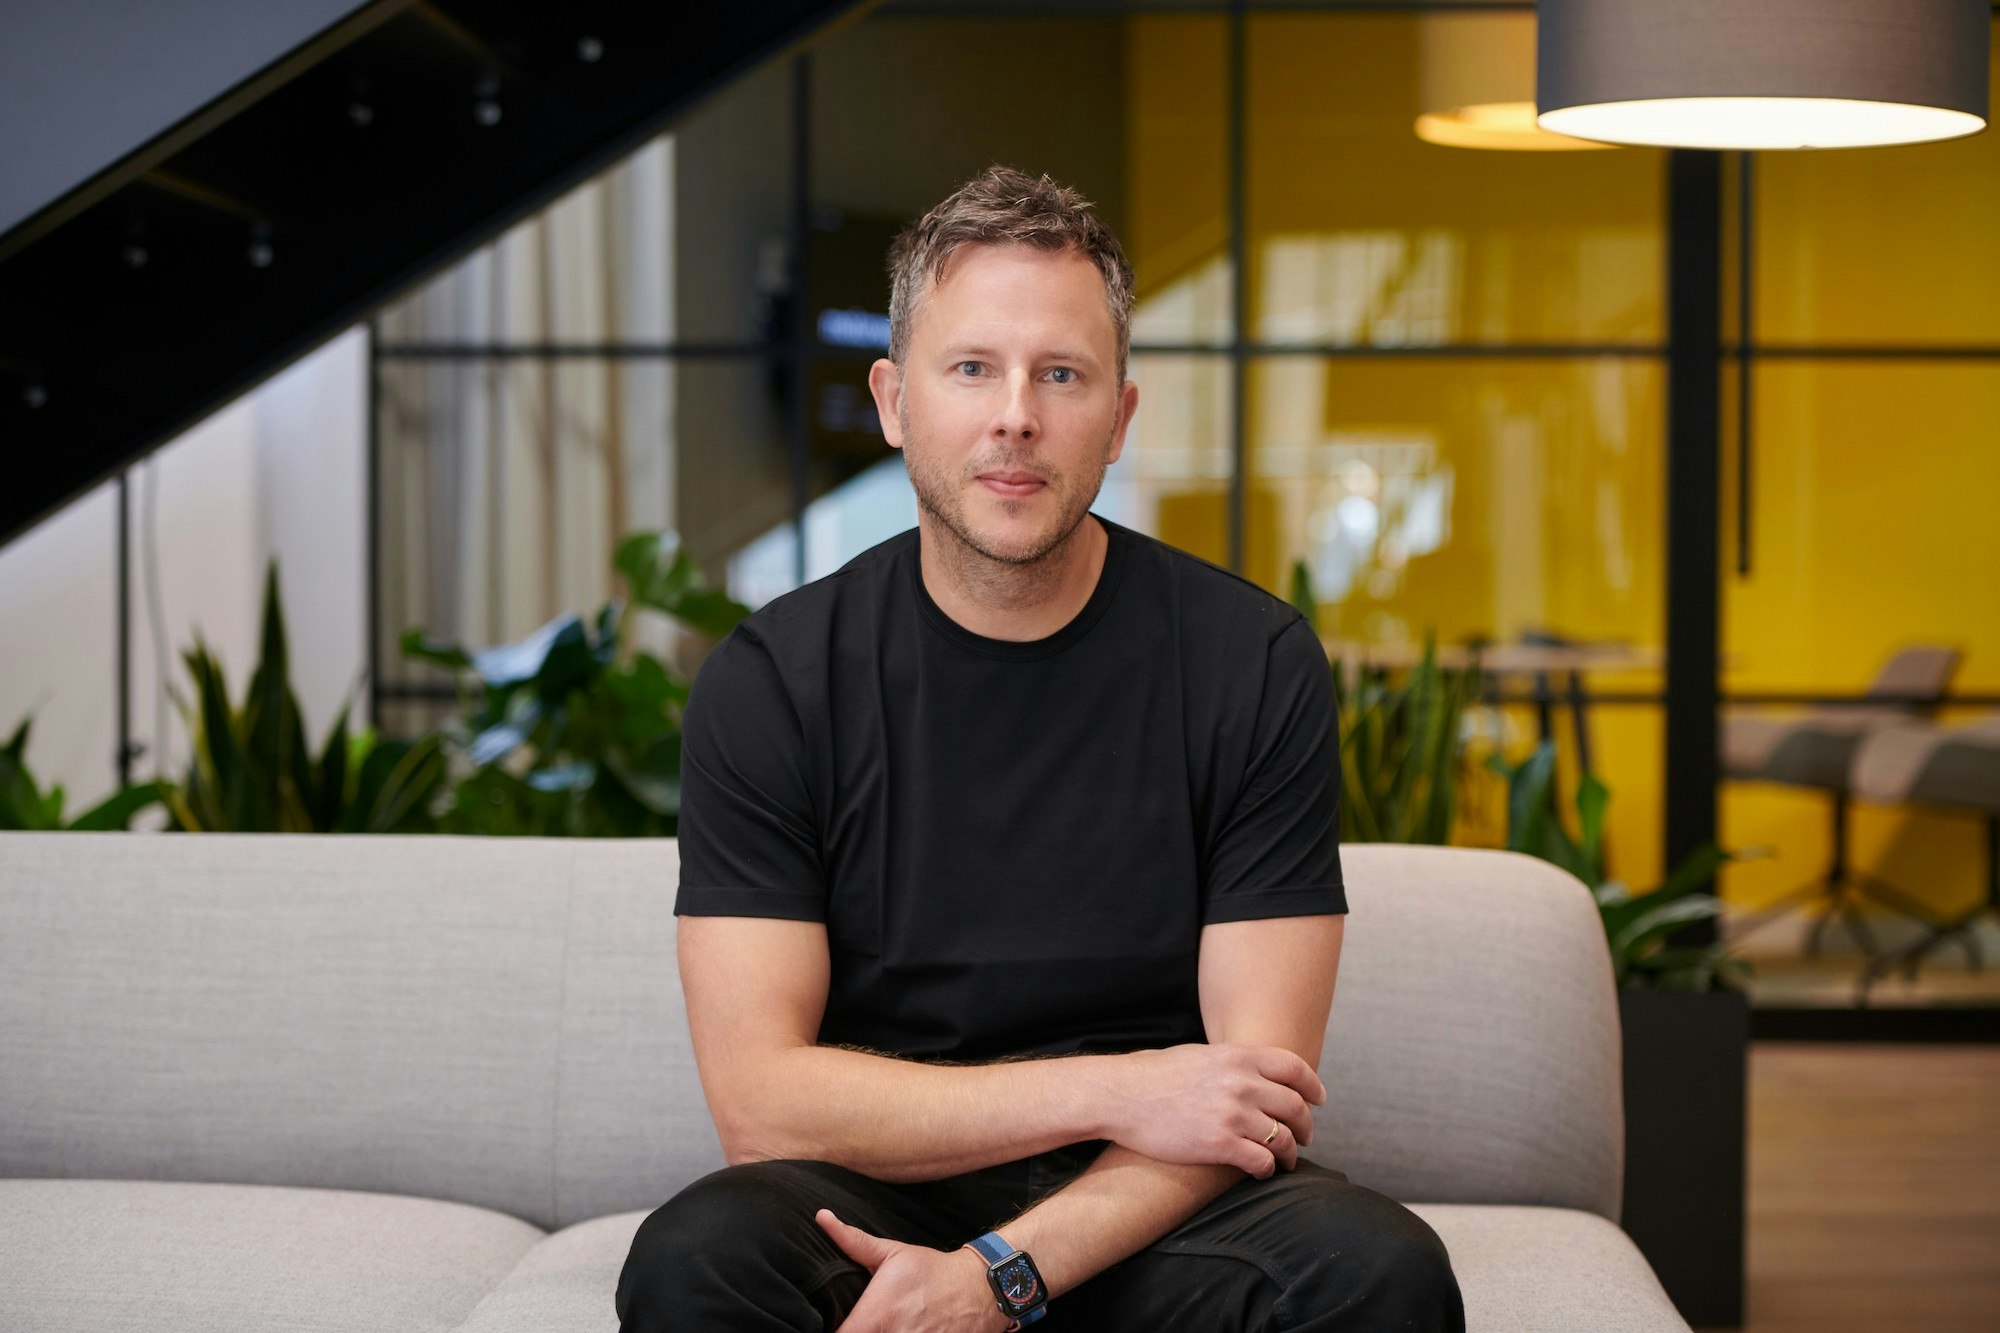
{"x": 380, "y": 1083}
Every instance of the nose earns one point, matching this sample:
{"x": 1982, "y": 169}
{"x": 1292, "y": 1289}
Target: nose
{"x": 1018, "y": 419}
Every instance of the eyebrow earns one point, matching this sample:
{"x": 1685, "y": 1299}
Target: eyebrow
{"x": 1058, "y": 354}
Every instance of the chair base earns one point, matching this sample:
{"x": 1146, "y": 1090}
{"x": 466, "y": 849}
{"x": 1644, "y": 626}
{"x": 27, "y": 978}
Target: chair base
{"x": 1958, "y": 930}
{"x": 1842, "y": 899}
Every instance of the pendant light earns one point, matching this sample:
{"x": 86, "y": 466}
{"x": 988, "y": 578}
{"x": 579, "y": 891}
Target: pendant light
{"x": 1478, "y": 84}
{"x": 1754, "y": 74}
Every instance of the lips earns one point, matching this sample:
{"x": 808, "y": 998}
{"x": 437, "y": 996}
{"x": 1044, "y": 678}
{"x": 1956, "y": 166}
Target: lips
{"x": 1012, "y": 483}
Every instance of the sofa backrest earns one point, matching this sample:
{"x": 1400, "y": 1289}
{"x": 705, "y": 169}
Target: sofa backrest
{"x": 498, "y": 1021}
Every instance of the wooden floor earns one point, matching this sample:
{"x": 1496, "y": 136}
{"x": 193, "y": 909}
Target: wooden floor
{"x": 1874, "y": 1189}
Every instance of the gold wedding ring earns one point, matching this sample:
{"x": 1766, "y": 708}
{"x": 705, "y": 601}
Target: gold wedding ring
{"x": 1272, "y": 1135}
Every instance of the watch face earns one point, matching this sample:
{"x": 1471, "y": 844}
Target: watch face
{"x": 1019, "y": 1284}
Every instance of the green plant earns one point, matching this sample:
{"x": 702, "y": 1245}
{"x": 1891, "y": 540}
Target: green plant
{"x": 1637, "y": 926}
{"x": 1402, "y": 747}
{"x": 250, "y": 770}
{"x": 24, "y": 806}
{"x": 567, "y": 733}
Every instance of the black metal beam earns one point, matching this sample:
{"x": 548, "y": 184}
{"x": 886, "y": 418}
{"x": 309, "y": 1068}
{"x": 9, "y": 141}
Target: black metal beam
{"x": 798, "y": 333}
{"x": 1956, "y": 1023}
{"x": 123, "y": 547}
{"x": 376, "y": 690}
{"x": 1693, "y": 594}
{"x": 1239, "y": 280}
{"x": 1746, "y": 352}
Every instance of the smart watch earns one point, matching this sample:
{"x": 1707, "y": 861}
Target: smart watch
{"x": 1017, "y": 1284}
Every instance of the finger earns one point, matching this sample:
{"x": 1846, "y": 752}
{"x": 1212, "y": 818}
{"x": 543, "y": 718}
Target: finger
{"x": 1286, "y": 1067}
{"x": 1249, "y": 1151}
{"x": 867, "y": 1250}
{"x": 1288, "y": 1148}
{"x": 1286, "y": 1106}
{"x": 1283, "y": 1150}
{"x": 1256, "y": 1159}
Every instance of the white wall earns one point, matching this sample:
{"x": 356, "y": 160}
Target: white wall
{"x": 281, "y": 471}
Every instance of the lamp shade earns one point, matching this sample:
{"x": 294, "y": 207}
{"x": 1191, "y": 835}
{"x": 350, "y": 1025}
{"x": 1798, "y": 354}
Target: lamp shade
{"x": 1762, "y": 73}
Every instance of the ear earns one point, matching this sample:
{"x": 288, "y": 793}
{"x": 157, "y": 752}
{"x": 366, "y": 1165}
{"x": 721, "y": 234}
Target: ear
{"x": 885, "y": 382}
{"x": 1128, "y": 403}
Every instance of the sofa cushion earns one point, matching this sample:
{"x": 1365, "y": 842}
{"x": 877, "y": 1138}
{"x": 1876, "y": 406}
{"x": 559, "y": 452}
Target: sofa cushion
{"x": 100, "y": 1255}
{"x": 568, "y": 1282}
{"x": 1550, "y": 1270}
{"x": 1547, "y": 1269}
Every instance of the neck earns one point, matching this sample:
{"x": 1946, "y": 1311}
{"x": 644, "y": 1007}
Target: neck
{"x": 999, "y": 600}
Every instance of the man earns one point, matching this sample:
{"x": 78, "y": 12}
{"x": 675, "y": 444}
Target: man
{"x": 1010, "y": 890}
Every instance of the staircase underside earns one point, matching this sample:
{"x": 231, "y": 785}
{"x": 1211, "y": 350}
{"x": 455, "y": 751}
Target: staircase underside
{"x": 241, "y": 238}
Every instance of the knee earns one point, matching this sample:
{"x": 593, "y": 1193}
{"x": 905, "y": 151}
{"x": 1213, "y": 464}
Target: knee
{"x": 727, "y": 1224}
{"x": 1413, "y": 1272}
{"x": 734, "y": 1205}
{"x": 1394, "y": 1272}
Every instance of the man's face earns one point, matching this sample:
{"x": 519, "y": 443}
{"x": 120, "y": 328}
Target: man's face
{"x": 1008, "y": 408}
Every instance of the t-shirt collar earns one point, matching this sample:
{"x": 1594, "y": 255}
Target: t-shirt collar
{"x": 1019, "y": 650}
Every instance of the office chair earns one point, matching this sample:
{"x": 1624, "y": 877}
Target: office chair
{"x": 1952, "y": 768}
{"x": 1817, "y": 751}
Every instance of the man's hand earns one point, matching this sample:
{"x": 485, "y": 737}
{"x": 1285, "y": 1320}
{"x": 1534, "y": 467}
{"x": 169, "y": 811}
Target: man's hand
{"x": 1201, "y": 1104}
{"x": 914, "y": 1287}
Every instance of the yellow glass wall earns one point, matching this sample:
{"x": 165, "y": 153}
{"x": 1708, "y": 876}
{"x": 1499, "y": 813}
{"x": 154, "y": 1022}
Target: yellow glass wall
{"x": 1173, "y": 477}
{"x": 1872, "y": 480}
{"x": 1872, "y": 529}
{"x": 1472, "y": 497}
{"x": 1361, "y": 233}
{"x": 1460, "y": 496}
{"x": 1176, "y": 230}
{"x": 1879, "y": 246}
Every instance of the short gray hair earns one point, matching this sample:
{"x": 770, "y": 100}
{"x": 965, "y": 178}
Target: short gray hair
{"x": 1002, "y": 206}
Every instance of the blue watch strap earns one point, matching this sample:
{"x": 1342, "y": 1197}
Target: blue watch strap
{"x": 991, "y": 1248}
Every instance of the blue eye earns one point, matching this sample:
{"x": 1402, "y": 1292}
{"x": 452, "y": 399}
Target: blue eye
{"x": 963, "y": 364}
{"x": 1064, "y": 370}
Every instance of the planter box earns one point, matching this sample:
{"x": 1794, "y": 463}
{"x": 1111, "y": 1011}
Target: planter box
{"x": 1685, "y": 1111}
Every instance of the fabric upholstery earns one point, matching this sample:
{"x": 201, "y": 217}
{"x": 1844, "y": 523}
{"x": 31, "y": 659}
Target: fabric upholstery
{"x": 633, "y": 1124}
{"x": 104, "y": 1256}
{"x": 567, "y": 1282}
{"x": 371, "y": 1013}
{"x": 1502, "y": 1257}
{"x": 1473, "y": 1050}
{"x": 1521, "y": 1270}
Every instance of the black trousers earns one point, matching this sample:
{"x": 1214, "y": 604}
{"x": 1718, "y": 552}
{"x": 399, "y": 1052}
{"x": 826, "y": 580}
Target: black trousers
{"x": 738, "y": 1250}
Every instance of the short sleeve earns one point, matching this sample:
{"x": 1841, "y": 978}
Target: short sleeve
{"x": 1278, "y": 852}
{"x": 748, "y": 845}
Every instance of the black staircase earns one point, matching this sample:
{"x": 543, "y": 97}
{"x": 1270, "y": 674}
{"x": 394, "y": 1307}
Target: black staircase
{"x": 389, "y": 143}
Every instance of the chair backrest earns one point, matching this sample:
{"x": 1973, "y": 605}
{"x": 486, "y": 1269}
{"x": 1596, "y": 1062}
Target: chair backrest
{"x": 1916, "y": 674}
{"x": 1955, "y": 767}
{"x": 497, "y": 1021}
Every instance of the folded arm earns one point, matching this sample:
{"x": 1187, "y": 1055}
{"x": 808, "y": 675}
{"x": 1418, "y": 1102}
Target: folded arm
{"x": 1266, "y": 982}
{"x": 756, "y": 990}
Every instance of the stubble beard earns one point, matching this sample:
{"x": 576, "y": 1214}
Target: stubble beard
{"x": 942, "y": 496}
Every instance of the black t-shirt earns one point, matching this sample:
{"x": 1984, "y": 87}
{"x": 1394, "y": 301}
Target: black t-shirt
{"x": 1014, "y": 845}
